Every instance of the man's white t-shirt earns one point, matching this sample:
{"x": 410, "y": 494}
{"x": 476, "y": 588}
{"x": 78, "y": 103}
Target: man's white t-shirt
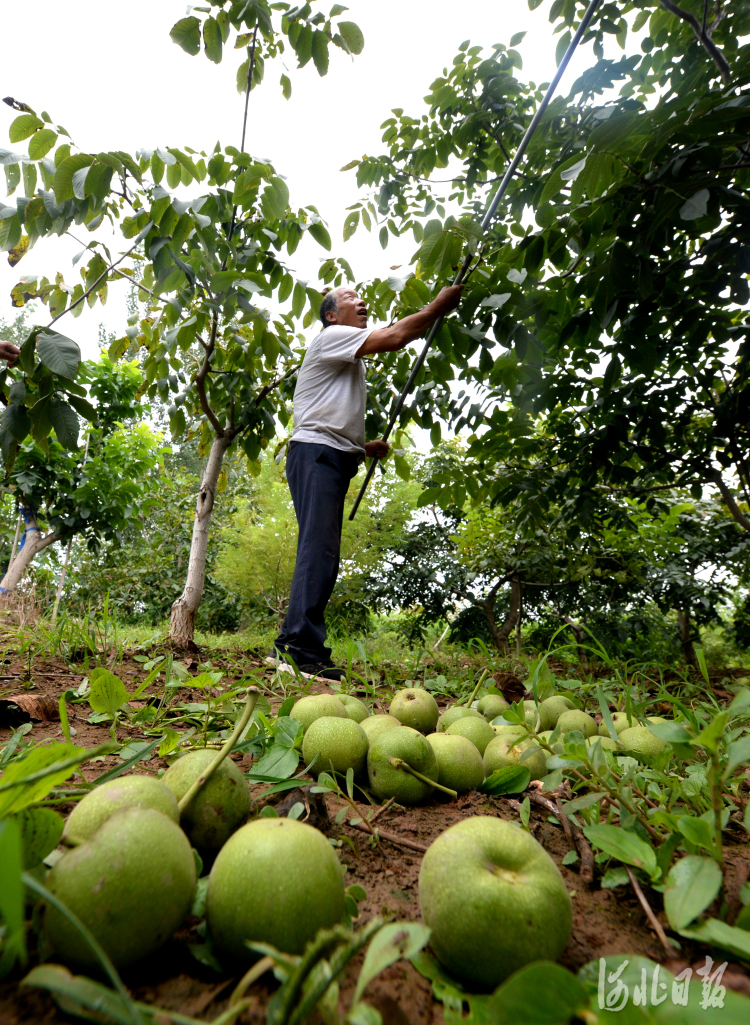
{"x": 331, "y": 392}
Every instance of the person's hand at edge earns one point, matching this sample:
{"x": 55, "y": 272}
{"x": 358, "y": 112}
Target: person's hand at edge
{"x": 9, "y": 352}
{"x": 377, "y": 449}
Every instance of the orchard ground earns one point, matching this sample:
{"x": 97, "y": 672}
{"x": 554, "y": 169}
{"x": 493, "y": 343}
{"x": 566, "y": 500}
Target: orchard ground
{"x": 606, "y": 921}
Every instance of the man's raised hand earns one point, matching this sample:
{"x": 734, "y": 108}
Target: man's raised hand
{"x": 447, "y": 299}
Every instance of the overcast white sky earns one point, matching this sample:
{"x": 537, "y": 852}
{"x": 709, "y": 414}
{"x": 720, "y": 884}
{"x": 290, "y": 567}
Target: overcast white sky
{"x": 112, "y": 76}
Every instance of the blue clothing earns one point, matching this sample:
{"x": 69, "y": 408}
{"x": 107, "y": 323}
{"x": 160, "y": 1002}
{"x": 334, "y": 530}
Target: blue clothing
{"x": 319, "y": 477}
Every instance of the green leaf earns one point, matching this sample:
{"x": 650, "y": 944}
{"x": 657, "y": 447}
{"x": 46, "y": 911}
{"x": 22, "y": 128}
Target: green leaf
{"x": 65, "y": 422}
{"x": 108, "y": 692}
{"x": 41, "y": 143}
{"x": 623, "y": 845}
{"x": 41, "y": 829}
{"x": 59, "y": 353}
{"x": 562, "y": 45}
{"x": 696, "y": 206}
{"x": 16, "y": 421}
{"x": 83, "y": 407}
{"x": 143, "y": 753}
{"x": 279, "y": 761}
{"x": 543, "y": 993}
{"x": 212, "y": 41}
{"x": 692, "y": 884}
{"x": 352, "y": 36}
{"x": 739, "y": 753}
{"x": 18, "y": 790}
{"x": 711, "y": 735}
{"x": 320, "y": 52}
{"x": 82, "y": 997}
{"x": 187, "y": 34}
{"x": 62, "y": 183}
{"x": 517, "y": 38}
{"x": 320, "y": 233}
{"x": 275, "y": 199}
{"x": 11, "y": 895}
{"x": 24, "y": 126}
{"x": 719, "y": 934}
{"x": 510, "y": 779}
{"x": 286, "y": 87}
{"x": 697, "y": 831}
{"x": 673, "y": 732}
{"x": 567, "y": 172}
{"x": 298, "y": 299}
{"x": 580, "y": 803}
{"x": 390, "y": 944}
{"x": 615, "y": 877}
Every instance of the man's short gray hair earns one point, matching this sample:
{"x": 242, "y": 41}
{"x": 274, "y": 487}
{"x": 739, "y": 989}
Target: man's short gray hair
{"x": 330, "y": 304}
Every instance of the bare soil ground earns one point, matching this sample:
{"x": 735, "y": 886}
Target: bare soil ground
{"x": 605, "y": 921}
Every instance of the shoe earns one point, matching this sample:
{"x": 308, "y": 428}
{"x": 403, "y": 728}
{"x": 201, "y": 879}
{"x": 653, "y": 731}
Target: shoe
{"x": 281, "y": 661}
{"x": 323, "y": 671}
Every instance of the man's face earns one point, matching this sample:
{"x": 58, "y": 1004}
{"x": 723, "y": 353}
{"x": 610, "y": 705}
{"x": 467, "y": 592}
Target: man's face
{"x": 351, "y": 309}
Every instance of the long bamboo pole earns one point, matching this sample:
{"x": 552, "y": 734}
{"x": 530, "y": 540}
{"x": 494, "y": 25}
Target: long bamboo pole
{"x": 502, "y": 189}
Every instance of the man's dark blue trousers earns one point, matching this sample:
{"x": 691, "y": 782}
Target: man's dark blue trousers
{"x": 319, "y": 477}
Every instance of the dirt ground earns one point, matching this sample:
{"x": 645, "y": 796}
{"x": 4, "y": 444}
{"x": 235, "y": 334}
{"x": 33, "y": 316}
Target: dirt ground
{"x": 605, "y": 921}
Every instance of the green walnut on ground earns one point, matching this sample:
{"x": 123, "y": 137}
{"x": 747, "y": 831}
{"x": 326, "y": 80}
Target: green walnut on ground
{"x": 386, "y": 780}
{"x": 377, "y": 724}
{"x": 494, "y": 900}
{"x": 131, "y": 883}
{"x": 219, "y": 808}
{"x": 575, "y": 719}
{"x": 509, "y": 750}
{"x": 477, "y": 730}
{"x": 335, "y": 744}
{"x": 492, "y": 705}
{"x": 642, "y": 743}
{"x": 355, "y": 709}
{"x": 417, "y": 708}
{"x": 314, "y": 706}
{"x": 275, "y": 881}
{"x": 551, "y": 709}
{"x": 454, "y": 713}
{"x": 606, "y": 742}
{"x": 123, "y": 792}
{"x": 620, "y": 721}
{"x": 460, "y": 766}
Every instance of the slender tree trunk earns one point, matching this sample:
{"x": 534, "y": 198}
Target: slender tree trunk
{"x": 31, "y": 544}
{"x": 182, "y": 621}
{"x": 686, "y": 640}
{"x": 501, "y": 634}
{"x": 580, "y": 636}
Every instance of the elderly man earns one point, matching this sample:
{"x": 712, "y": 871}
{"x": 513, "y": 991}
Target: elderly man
{"x": 326, "y": 447}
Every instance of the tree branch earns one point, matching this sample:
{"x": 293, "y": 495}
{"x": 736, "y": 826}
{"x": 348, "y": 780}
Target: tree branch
{"x": 268, "y": 388}
{"x": 93, "y": 287}
{"x": 200, "y": 379}
{"x": 729, "y": 498}
{"x": 703, "y": 35}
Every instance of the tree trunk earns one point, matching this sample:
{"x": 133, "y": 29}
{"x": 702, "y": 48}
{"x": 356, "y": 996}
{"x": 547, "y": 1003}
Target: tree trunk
{"x": 501, "y": 634}
{"x": 31, "y": 544}
{"x": 182, "y": 620}
{"x": 579, "y": 634}
{"x": 686, "y": 640}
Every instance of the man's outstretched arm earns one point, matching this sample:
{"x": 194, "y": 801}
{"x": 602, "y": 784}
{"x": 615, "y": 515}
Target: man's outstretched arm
{"x": 389, "y": 339}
